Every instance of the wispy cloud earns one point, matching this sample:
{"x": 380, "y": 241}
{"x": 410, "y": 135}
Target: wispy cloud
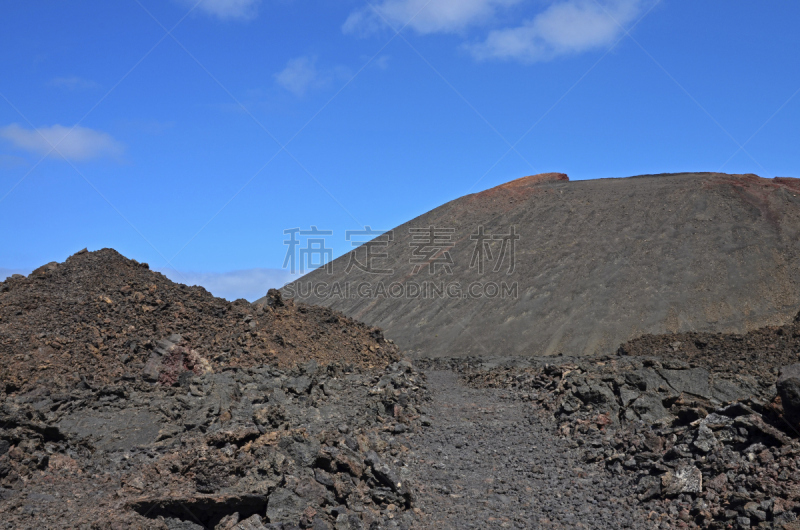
{"x": 302, "y": 74}
{"x": 562, "y": 27}
{"x": 250, "y": 284}
{"x": 78, "y": 143}
{"x": 73, "y": 83}
{"x": 424, "y": 16}
{"x": 227, "y": 9}
{"x": 299, "y": 75}
{"x": 568, "y": 27}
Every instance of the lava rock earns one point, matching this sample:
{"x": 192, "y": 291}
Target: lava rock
{"x": 687, "y": 479}
{"x": 788, "y": 386}
{"x": 284, "y": 506}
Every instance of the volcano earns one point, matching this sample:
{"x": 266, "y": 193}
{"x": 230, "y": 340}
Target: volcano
{"x": 544, "y": 266}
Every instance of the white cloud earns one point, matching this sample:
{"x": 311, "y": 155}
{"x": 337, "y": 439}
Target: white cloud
{"x": 299, "y": 75}
{"x": 563, "y": 27}
{"x": 250, "y": 284}
{"x": 73, "y": 83}
{"x": 75, "y": 143}
{"x": 566, "y": 27}
{"x": 302, "y": 74}
{"x": 227, "y": 9}
{"x": 437, "y": 16}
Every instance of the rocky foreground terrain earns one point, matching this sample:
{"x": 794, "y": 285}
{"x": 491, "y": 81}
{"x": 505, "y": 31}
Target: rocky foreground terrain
{"x": 703, "y": 427}
{"x": 129, "y": 401}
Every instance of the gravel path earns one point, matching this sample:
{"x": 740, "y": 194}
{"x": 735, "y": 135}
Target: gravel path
{"x": 491, "y": 462}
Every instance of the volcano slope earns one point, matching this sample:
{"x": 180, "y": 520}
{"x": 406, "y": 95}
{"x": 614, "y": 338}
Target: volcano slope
{"x": 129, "y": 401}
{"x": 597, "y": 263}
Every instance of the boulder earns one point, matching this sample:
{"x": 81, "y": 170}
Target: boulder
{"x": 788, "y": 387}
{"x": 596, "y": 394}
{"x": 648, "y": 407}
{"x": 274, "y": 298}
{"x": 687, "y": 479}
{"x": 693, "y": 381}
{"x": 704, "y": 441}
{"x": 284, "y": 506}
{"x": 728, "y": 390}
{"x": 649, "y": 487}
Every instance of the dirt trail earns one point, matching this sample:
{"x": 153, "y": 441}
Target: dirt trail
{"x": 489, "y": 461}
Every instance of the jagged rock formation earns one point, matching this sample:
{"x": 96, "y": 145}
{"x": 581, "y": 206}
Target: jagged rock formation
{"x": 129, "y": 401}
{"x": 101, "y": 317}
{"x": 597, "y": 263}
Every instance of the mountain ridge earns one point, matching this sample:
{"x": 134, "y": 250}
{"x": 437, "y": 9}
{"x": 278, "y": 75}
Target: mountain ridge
{"x": 598, "y": 262}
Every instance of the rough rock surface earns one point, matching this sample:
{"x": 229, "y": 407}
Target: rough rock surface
{"x": 101, "y": 318}
{"x": 760, "y": 352}
{"x": 309, "y": 446}
{"x": 705, "y": 438}
{"x": 212, "y": 415}
{"x": 129, "y": 401}
{"x": 788, "y": 387}
{"x": 597, "y": 263}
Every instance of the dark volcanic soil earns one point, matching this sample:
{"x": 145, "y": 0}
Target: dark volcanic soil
{"x": 99, "y": 317}
{"x": 597, "y": 263}
{"x": 492, "y": 462}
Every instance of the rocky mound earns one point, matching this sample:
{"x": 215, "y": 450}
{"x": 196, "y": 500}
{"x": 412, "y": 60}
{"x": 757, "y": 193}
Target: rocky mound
{"x": 101, "y": 318}
{"x": 761, "y": 352}
{"x": 129, "y": 401}
{"x": 596, "y": 263}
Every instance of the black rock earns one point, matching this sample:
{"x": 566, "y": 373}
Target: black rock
{"x": 284, "y": 506}
{"x": 788, "y": 387}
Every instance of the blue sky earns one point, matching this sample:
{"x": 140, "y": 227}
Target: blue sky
{"x": 190, "y": 135}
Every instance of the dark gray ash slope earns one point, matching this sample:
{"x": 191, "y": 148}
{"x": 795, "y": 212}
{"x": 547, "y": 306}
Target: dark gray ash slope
{"x": 599, "y": 262}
